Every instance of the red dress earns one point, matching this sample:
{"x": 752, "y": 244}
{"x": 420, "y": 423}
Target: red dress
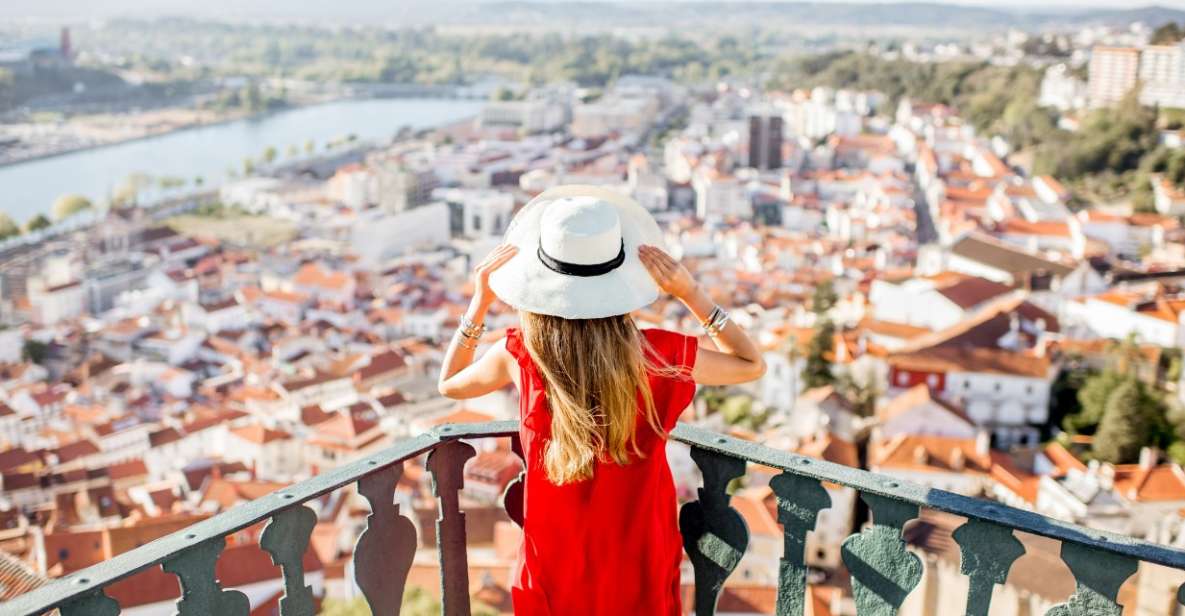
{"x": 608, "y": 546}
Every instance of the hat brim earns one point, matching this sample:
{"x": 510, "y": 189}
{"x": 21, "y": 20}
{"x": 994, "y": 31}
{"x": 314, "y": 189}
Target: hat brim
{"x": 525, "y": 283}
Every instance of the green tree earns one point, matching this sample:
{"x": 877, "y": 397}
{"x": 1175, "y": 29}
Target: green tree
{"x": 129, "y": 191}
{"x": 34, "y": 351}
{"x": 309, "y": 147}
{"x": 1176, "y": 452}
{"x": 824, "y": 297}
{"x": 1092, "y": 399}
{"x": 69, "y": 205}
{"x": 269, "y": 154}
{"x": 862, "y": 392}
{"x": 1167, "y": 34}
{"x": 8, "y": 227}
{"x": 736, "y": 408}
{"x": 817, "y": 372}
{"x": 248, "y": 166}
{"x": 252, "y": 98}
{"x": 37, "y": 223}
{"x": 1125, "y": 425}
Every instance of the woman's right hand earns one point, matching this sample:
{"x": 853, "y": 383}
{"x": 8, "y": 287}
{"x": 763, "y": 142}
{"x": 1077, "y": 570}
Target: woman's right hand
{"x": 483, "y": 295}
{"x": 668, "y": 274}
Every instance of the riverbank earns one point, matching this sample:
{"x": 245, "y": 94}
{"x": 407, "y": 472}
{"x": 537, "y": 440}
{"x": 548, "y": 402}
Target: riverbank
{"x": 352, "y": 94}
{"x": 153, "y": 134}
{"x": 214, "y": 152}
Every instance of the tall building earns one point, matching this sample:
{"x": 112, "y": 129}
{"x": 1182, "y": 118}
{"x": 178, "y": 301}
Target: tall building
{"x": 65, "y": 46}
{"x": 1114, "y": 71}
{"x": 765, "y": 141}
{"x": 1162, "y": 73}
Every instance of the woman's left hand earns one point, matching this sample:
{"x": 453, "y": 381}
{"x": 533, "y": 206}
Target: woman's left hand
{"x": 668, "y": 274}
{"x": 482, "y": 293}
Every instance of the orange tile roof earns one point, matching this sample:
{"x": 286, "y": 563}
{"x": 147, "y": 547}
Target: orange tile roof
{"x": 913, "y": 398}
{"x": 260, "y": 434}
{"x": 461, "y": 415}
{"x": 1156, "y": 484}
{"x": 929, "y": 453}
{"x": 831, "y": 448}
{"x": 970, "y": 359}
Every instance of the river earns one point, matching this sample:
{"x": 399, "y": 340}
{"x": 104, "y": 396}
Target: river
{"x": 29, "y": 188}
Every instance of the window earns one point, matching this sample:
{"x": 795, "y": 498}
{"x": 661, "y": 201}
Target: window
{"x": 932, "y": 380}
{"x": 902, "y": 378}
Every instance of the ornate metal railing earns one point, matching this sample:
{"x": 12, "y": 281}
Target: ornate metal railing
{"x": 883, "y": 571}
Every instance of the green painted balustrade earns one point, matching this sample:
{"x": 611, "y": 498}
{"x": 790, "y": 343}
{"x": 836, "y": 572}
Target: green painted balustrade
{"x": 883, "y": 571}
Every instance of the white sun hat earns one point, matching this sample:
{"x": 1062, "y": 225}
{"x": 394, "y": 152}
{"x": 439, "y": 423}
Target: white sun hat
{"x": 578, "y": 255}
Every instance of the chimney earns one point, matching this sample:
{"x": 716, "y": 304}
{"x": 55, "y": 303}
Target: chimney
{"x": 1148, "y": 458}
{"x": 1041, "y": 340}
{"x": 919, "y": 455}
{"x": 958, "y": 461}
{"x": 1106, "y": 476}
{"x": 983, "y": 443}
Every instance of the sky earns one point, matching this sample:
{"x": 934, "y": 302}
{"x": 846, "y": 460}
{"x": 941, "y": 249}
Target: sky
{"x": 103, "y": 8}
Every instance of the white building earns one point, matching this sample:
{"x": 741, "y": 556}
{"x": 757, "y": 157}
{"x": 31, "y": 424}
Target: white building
{"x": 720, "y": 196}
{"x": 377, "y": 236}
{"x": 1062, "y": 90}
{"x": 1114, "y": 72}
{"x": 272, "y": 454}
{"x": 528, "y": 116}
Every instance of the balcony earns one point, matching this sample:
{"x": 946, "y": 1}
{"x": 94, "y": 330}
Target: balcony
{"x": 883, "y": 571}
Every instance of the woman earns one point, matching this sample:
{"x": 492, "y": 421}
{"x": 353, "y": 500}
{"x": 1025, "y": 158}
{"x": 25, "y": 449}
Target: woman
{"x": 598, "y": 397}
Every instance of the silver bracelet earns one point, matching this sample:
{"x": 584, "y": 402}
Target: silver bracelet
{"x": 467, "y": 342}
{"x": 716, "y": 322}
{"x": 469, "y": 329}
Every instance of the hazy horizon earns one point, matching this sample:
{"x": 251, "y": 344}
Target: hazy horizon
{"x": 355, "y": 9}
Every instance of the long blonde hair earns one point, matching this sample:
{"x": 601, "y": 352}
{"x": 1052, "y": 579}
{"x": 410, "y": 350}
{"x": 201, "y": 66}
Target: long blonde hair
{"x": 594, "y": 372}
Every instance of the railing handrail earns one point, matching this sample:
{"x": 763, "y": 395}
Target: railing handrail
{"x": 93, "y": 579}
{"x": 96, "y": 577}
{"x": 930, "y": 498}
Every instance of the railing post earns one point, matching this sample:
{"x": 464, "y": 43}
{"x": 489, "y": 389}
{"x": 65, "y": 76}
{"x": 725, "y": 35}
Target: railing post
{"x": 385, "y": 551}
{"x": 97, "y": 604}
{"x": 883, "y": 571}
{"x": 201, "y": 594}
{"x": 286, "y": 538}
{"x": 800, "y": 499}
{"x": 714, "y": 534}
{"x": 447, "y": 465}
{"x": 512, "y": 496}
{"x": 988, "y": 552}
{"x": 1098, "y": 576}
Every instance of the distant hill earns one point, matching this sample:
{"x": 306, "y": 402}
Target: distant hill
{"x": 917, "y": 14}
{"x": 624, "y": 13}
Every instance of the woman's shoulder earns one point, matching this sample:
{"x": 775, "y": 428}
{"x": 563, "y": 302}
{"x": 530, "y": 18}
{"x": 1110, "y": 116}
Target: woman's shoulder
{"x": 514, "y": 341}
{"x": 676, "y": 348}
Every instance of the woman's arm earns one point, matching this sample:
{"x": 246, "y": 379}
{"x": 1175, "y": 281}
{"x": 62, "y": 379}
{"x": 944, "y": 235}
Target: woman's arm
{"x": 737, "y": 360}
{"x": 460, "y": 376}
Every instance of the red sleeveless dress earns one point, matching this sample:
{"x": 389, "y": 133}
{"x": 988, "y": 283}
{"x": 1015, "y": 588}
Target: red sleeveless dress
{"x": 608, "y": 546}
